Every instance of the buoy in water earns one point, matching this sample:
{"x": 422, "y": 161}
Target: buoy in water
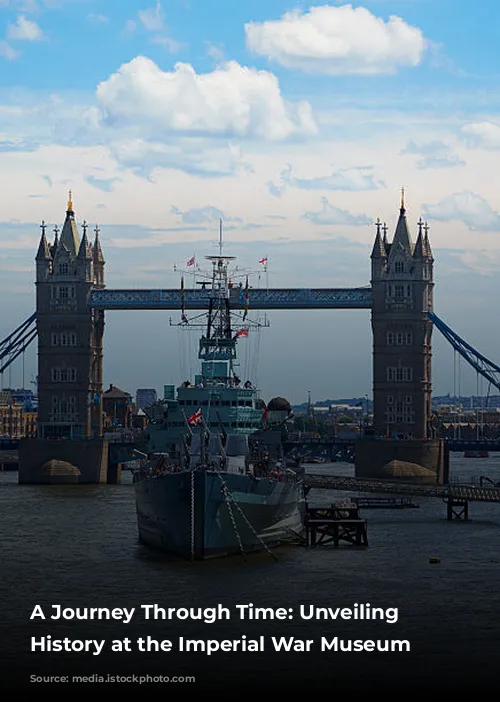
{"x": 434, "y": 560}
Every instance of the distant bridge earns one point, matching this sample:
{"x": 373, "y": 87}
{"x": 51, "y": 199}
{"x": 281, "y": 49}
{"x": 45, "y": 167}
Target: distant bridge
{"x": 339, "y": 449}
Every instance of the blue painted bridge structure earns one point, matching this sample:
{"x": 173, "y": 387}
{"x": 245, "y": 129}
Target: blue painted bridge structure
{"x": 258, "y": 299}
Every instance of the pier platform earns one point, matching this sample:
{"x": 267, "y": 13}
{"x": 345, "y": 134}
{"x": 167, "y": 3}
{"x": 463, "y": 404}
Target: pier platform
{"x": 326, "y": 526}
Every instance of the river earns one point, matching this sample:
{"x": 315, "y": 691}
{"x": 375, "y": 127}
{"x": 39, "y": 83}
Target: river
{"x": 77, "y": 546}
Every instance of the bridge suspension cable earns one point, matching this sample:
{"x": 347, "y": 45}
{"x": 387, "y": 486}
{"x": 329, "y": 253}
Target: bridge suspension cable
{"x": 17, "y": 342}
{"x": 483, "y": 366}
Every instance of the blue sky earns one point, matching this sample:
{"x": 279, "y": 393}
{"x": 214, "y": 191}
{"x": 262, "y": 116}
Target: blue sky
{"x": 297, "y": 122}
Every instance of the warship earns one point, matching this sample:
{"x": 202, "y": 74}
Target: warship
{"x": 216, "y": 481}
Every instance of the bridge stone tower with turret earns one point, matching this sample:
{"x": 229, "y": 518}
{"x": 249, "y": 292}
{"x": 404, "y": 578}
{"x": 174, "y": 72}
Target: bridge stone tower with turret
{"x": 70, "y": 334}
{"x": 402, "y": 296}
{"x": 402, "y": 289}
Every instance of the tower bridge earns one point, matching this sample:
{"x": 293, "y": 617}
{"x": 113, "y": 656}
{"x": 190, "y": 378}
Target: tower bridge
{"x": 68, "y": 324}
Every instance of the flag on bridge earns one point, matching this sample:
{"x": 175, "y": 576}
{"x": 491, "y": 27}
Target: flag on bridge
{"x": 196, "y": 418}
{"x": 190, "y": 262}
{"x": 263, "y": 261}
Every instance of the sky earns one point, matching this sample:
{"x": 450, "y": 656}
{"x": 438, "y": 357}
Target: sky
{"x": 297, "y": 123}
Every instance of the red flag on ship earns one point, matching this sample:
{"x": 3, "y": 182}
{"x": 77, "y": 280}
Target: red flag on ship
{"x": 196, "y": 418}
{"x": 241, "y": 332}
{"x": 190, "y": 262}
{"x": 263, "y": 260}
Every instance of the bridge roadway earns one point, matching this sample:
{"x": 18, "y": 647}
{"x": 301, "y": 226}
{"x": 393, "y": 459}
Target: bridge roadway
{"x": 469, "y": 493}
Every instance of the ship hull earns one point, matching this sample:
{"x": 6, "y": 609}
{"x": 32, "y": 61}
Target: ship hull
{"x": 189, "y": 514}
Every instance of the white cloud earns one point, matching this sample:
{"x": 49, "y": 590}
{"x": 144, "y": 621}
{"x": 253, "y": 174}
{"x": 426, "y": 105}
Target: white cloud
{"x": 426, "y": 148}
{"x": 436, "y": 154}
{"x": 444, "y": 161}
{"x": 336, "y": 40}
{"x": 194, "y": 156}
{"x": 171, "y": 45}
{"x": 329, "y": 214}
{"x": 482, "y": 261}
{"x": 22, "y": 5}
{"x": 7, "y": 51}
{"x": 215, "y": 52}
{"x": 357, "y": 178}
{"x": 466, "y": 207}
{"x": 153, "y": 18}
{"x": 230, "y": 101}
{"x": 203, "y": 215}
{"x": 97, "y": 18}
{"x": 24, "y": 30}
{"x": 484, "y": 135}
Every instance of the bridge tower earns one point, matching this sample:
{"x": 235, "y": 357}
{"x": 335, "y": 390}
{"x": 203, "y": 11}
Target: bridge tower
{"x": 69, "y": 333}
{"x": 402, "y": 288}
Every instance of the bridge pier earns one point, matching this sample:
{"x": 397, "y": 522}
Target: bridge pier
{"x": 114, "y": 473}
{"x": 421, "y": 461}
{"x": 85, "y": 458}
{"x": 457, "y": 509}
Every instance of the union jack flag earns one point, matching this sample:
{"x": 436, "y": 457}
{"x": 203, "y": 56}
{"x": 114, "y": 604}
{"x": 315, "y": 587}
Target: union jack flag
{"x": 263, "y": 260}
{"x": 196, "y": 418}
{"x": 190, "y": 262}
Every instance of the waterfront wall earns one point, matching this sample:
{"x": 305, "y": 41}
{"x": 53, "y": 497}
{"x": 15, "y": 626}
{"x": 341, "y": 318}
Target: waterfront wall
{"x": 414, "y": 460}
{"x": 89, "y": 457}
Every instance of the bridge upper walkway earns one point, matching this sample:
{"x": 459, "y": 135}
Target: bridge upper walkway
{"x": 258, "y": 299}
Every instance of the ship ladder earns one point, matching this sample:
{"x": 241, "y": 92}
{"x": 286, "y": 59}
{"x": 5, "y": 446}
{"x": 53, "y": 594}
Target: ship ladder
{"x": 229, "y": 499}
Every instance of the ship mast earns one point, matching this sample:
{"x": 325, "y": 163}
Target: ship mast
{"x": 217, "y": 345}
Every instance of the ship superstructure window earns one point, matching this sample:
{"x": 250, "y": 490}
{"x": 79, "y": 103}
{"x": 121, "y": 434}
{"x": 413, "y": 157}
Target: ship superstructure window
{"x": 399, "y": 374}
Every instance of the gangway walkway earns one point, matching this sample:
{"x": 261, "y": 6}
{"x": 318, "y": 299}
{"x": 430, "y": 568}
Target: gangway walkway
{"x": 469, "y": 493}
